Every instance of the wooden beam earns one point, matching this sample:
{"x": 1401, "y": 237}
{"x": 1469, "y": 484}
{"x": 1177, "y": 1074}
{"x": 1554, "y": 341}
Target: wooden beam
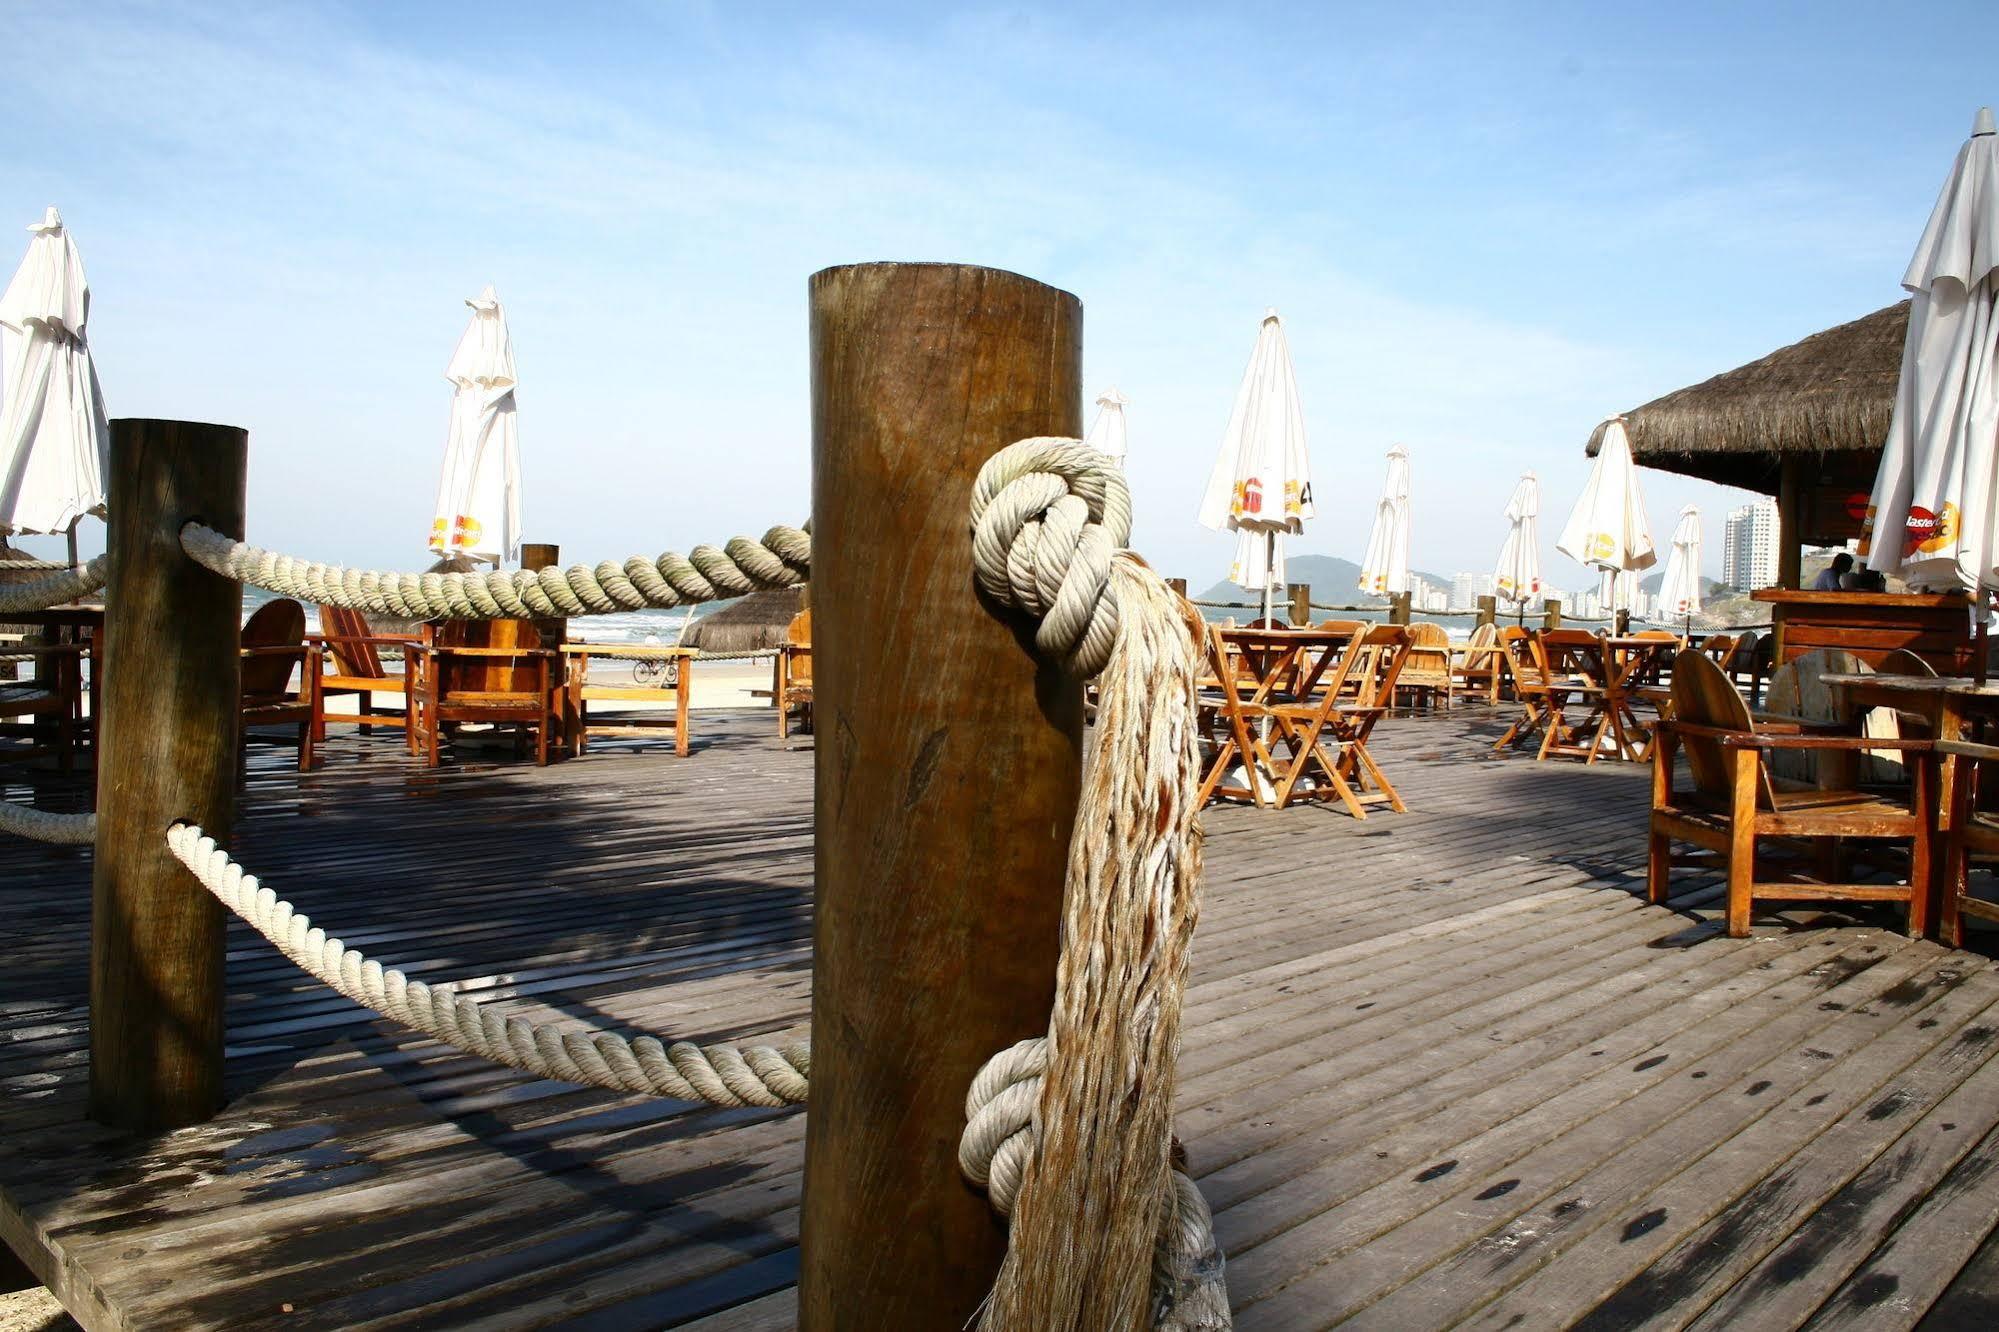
{"x": 1791, "y": 491}
{"x": 1179, "y": 585}
{"x": 1488, "y": 610}
{"x": 1398, "y": 608}
{"x": 1301, "y": 604}
{"x": 167, "y": 736}
{"x": 948, "y": 766}
{"x": 1551, "y": 612}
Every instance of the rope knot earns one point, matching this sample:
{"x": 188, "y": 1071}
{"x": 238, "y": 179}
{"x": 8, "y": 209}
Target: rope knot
{"x": 1047, "y": 515}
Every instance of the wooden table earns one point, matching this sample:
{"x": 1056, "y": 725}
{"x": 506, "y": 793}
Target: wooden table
{"x": 579, "y": 693}
{"x": 1606, "y": 671}
{"x": 1256, "y": 669}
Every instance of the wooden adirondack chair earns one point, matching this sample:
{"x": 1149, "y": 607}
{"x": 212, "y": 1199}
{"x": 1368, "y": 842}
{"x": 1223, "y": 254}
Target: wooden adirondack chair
{"x": 1477, "y": 666}
{"x": 348, "y": 658}
{"x": 1426, "y": 671}
{"x": 273, "y": 646}
{"x": 1735, "y": 803}
{"x": 793, "y": 687}
{"x": 487, "y": 671}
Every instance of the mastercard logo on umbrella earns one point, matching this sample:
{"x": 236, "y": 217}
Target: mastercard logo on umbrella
{"x": 1930, "y": 530}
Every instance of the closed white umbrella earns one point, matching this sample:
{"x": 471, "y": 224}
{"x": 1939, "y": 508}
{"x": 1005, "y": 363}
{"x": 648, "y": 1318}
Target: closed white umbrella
{"x": 1261, "y": 485}
{"x": 1107, "y": 430}
{"x": 479, "y": 496}
{"x": 1934, "y": 507}
{"x": 53, "y": 434}
{"x": 1608, "y": 529}
{"x": 1385, "y": 569}
{"x": 1680, "y": 589}
{"x": 1518, "y": 577}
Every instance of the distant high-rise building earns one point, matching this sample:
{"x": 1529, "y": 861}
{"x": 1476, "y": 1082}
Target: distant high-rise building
{"x": 1749, "y": 546}
{"x": 1467, "y": 588}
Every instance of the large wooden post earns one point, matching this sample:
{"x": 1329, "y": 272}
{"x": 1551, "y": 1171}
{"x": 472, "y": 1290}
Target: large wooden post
{"x": 1488, "y": 610}
{"x": 1301, "y": 604}
{"x": 167, "y": 726}
{"x": 1551, "y": 613}
{"x": 1791, "y": 488}
{"x": 1398, "y": 607}
{"x": 948, "y": 768}
{"x": 1179, "y": 585}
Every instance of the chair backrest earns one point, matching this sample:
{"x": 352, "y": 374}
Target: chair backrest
{"x": 798, "y": 647}
{"x": 1570, "y": 652}
{"x": 1703, "y": 696}
{"x": 1720, "y": 649}
{"x": 279, "y": 623}
{"x": 346, "y": 633}
{"x": 1524, "y": 657}
{"x": 488, "y": 675}
{"x": 1484, "y": 638}
{"x": 1429, "y": 651}
{"x": 1378, "y": 656}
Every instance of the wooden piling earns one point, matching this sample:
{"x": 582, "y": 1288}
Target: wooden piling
{"x": 169, "y": 704}
{"x": 535, "y": 556}
{"x": 1301, "y": 604}
{"x": 1551, "y": 613}
{"x": 1488, "y": 610}
{"x": 1179, "y": 585}
{"x": 1620, "y": 623}
{"x": 1399, "y": 609}
{"x": 948, "y": 767}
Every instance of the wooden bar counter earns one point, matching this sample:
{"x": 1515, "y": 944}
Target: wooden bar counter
{"x": 1870, "y": 625}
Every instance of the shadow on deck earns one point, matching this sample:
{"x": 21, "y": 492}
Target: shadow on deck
{"x": 1441, "y": 1069}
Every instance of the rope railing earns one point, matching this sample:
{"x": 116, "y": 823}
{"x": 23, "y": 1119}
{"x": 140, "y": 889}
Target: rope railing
{"x": 1083, "y": 1112}
{"x": 759, "y": 1075}
{"x": 36, "y": 594}
{"x": 36, "y": 566}
{"x": 41, "y": 825}
{"x": 782, "y": 558}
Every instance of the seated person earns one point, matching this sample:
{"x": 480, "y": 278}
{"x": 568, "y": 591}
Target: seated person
{"x": 1865, "y": 580}
{"x": 1828, "y": 579}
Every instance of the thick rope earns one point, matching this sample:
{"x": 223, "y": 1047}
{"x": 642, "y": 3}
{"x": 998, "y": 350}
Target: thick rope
{"x": 783, "y": 558}
{"x": 40, "y": 825}
{"x": 56, "y": 589}
{"x": 1072, "y": 1133}
{"x": 761, "y": 1075}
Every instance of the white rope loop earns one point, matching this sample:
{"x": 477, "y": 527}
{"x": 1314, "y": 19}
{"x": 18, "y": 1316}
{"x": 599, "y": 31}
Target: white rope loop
{"x": 41, "y": 593}
{"x": 1047, "y": 515}
{"x": 761, "y": 1075}
{"x": 40, "y": 825}
{"x": 783, "y": 558}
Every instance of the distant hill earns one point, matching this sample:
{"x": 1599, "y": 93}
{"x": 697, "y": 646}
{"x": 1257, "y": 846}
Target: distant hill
{"x": 1658, "y": 580}
{"x": 1333, "y": 581}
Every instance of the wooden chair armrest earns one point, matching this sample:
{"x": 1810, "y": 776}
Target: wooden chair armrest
{"x": 1850, "y": 743}
{"x": 520, "y": 652}
{"x": 370, "y": 640}
{"x": 298, "y": 650}
{"x": 44, "y": 649}
{"x": 1970, "y": 749}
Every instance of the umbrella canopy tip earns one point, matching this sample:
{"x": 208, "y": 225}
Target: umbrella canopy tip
{"x": 1980, "y": 123}
{"x": 52, "y": 220}
{"x": 1269, "y": 313}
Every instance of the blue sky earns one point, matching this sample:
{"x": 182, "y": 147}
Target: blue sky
{"x": 1486, "y": 230}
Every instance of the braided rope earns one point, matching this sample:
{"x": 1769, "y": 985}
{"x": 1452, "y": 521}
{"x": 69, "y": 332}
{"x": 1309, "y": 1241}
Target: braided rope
{"x": 1047, "y": 516}
{"x": 41, "y": 593}
{"x": 760, "y": 1075}
{"x": 40, "y": 825}
{"x": 783, "y": 558}
{"x": 36, "y": 566}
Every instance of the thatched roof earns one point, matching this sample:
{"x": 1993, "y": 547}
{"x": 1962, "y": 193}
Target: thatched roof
{"x": 1830, "y": 393}
{"x": 755, "y": 623}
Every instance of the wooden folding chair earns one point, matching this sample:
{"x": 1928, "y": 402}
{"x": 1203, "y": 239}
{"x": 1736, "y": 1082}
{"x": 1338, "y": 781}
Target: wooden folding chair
{"x": 1534, "y": 687}
{"x": 1229, "y": 701}
{"x": 1376, "y": 656}
{"x": 1476, "y": 664}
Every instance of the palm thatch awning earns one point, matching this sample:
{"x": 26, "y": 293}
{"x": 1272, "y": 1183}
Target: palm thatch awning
{"x": 754, "y": 624}
{"x": 1831, "y": 393}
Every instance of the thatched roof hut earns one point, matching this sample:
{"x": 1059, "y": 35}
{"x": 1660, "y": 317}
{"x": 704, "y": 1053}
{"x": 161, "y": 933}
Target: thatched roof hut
{"x": 755, "y": 623}
{"x": 1824, "y": 401}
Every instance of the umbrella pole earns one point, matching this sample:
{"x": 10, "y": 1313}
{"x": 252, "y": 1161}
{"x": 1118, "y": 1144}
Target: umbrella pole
{"x": 72, "y": 543}
{"x": 1982, "y": 609}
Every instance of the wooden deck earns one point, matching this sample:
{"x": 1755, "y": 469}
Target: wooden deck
{"x": 1441, "y": 1069}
